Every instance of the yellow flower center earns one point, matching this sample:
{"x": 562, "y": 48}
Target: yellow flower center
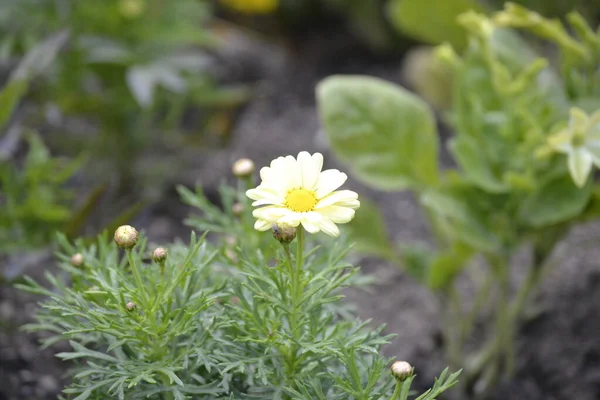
{"x": 300, "y": 200}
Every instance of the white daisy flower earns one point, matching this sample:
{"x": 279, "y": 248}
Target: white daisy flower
{"x": 296, "y": 191}
{"x": 580, "y": 141}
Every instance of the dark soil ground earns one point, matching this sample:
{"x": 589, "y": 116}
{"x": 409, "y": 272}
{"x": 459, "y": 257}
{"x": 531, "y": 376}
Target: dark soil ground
{"x": 558, "y": 351}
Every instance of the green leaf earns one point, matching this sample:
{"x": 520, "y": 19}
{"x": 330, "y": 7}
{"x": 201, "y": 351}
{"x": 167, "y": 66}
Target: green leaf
{"x": 416, "y": 260}
{"x": 447, "y": 265}
{"x": 385, "y": 134}
{"x": 40, "y": 58}
{"x": 431, "y": 21}
{"x": 369, "y": 232}
{"x": 556, "y": 201}
{"x": 475, "y": 165}
{"x": 9, "y": 98}
{"x": 458, "y": 219}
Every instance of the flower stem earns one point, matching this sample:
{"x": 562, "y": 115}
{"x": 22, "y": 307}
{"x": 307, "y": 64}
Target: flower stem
{"x": 136, "y": 275}
{"x": 295, "y": 276}
{"x": 397, "y": 390}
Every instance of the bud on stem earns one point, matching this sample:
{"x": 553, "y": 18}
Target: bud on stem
{"x": 126, "y": 236}
{"x": 401, "y": 370}
{"x": 159, "y": 256}
{"x": 77, "y": 260}
{"x": 284, "y": 233}
{"x": 243, "y": 168}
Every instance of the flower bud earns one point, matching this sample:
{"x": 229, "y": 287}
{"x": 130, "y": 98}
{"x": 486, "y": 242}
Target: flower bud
{"x": 159, "y": 255}
{"x": 243, "y": 168}
{"x": 130, "y": 306}
{"x": 284, "y": 233}
{"x": 77, "y": 260}
{"x": 126, "y": 236}
{"x": 231, "y": 255}
{"x": 237, "y": 209}
{"x": 401, "y": 370}
{"x": 230, "y": 241}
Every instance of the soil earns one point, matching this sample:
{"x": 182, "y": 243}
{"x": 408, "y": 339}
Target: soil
{"x": 559, "y": 350}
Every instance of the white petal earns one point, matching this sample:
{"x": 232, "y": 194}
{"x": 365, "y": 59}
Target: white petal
{"x": 310, "y": 167}
{"x": 289, "y": 173}
{"x": 329, "y": 181}
{"x": 310, "y": 227}
{"x": 311, "y": 221}
{"x": 561, "y": 141}
{"x": 271, "y": 213}
{"x": 339, "y": 215}
{"x": 275, "y": 175}
{"x": 292, "y": 219}
{"x": 579, "y": 120}
{"x": 262, "y": 225}
{"x": 345, "y": 198}
{"x": 580, "y": 165}
{"x": 329, "y": 227}
{"x": 264, "y": 196}
{"x": 593, "y": 147}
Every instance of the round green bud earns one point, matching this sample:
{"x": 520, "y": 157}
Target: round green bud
{"x": 401, "y": 370}
{"x": 126, "y": 236}
{"x": 243, "y": 168}
{"x": 159, "y": 255}
{"x": 284, "y": 233}
{"x": 237, "y": 209}
{"x": 77, "y": 260}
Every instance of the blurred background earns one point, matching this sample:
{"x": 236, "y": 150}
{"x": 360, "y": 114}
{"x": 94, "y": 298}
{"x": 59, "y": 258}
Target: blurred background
{"x": 106, "y": 105}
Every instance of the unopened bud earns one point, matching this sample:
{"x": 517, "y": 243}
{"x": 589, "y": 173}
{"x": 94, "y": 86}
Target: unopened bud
{"x": 77, "y": 260}
{"x": 231, "y": 255}
{"x": 237, "y": 209}
{"x": 230, "y": 240}
{"x": 159, "y": 255}
{"x": 284, "y": 233}
{"x": 130, "y": 306}
{"x": 126, "y": 236}
{"x": 401, "y": 370}
{"x": 243, "y": 168}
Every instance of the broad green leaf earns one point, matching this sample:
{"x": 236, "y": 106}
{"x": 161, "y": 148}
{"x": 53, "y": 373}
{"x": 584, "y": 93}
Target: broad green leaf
{"x": 475, "y": 165}
{"x": 458, "y": 220}
{"x": 369, "y": 232}
{"x": 447, "y": 265}
{"x": 385, "y": 134}
{"x": 431, "y": 21}
{"x": 556, "y": 201}
{"x": 416, "y": 259}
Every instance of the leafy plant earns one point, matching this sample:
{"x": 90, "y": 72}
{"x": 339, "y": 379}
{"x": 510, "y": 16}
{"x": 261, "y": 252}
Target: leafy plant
{"x": 130, "y": 71}
{"x": 34, "y": 201}
{"x": 214, "y": 319}
{"x": 513, "y": 113}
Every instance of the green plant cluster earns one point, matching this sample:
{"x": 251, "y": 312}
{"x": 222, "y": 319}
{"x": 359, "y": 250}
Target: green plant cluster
{"x": 35, "y": 202}
{"x": 101, "y": 83}
{"x": 239, "y": 316}
{"x": 513, "y": 186}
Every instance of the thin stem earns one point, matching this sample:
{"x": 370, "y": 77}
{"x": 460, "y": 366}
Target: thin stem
{"x": 481, "y": 298}
{"x": 531, "y": 281}
{"x": 397, "y": 390}
{"x": 503, "y": 350}
{"x": 455, "y": 333}
{"x": 296, "y": 297}
{"x": 136, "y": 274}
